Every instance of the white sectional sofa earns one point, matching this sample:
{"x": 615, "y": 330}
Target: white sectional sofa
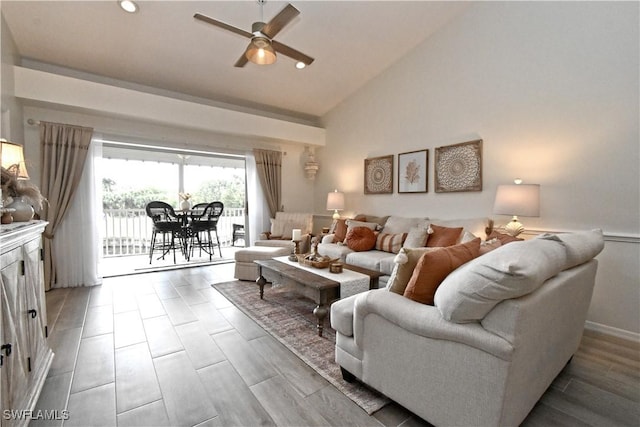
{"x": 383, "y": 261}
{"x": 503, "y": 326}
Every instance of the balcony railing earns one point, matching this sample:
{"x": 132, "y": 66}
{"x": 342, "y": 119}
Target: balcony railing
{"x": 128, "y": 231}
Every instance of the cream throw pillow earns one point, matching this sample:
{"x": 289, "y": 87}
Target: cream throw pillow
{"x": 417, "y": 238}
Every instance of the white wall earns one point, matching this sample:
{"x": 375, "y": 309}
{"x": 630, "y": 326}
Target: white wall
{"x": 552, "y": 89}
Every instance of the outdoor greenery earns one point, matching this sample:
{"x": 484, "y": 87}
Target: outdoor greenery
{"x": 116, "y": 195}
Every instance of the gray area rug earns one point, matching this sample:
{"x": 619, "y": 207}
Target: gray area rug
{"x": 288, "y": 318}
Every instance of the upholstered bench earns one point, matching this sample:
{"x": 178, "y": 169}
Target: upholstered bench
{"x": 246, "y": 269}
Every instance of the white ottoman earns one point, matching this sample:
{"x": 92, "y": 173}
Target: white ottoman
{"x": 246, "y": 269}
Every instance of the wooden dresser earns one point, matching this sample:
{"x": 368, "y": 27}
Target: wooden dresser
{"x": 25, "y": 356}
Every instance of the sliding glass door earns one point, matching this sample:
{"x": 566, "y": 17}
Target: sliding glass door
{"x": 134, "y": 176}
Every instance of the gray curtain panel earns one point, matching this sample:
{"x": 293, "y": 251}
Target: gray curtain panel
{"x": 64, "y": 152}
{"x": 269, "y": 168}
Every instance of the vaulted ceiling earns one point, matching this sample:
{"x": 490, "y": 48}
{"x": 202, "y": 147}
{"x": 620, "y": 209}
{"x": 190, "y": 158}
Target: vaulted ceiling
{"x": 163, "y": 46}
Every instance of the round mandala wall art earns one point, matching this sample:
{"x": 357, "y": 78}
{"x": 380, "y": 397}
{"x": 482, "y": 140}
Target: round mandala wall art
{"x": 459, "y": 167}
{"x": 378, "y": 175}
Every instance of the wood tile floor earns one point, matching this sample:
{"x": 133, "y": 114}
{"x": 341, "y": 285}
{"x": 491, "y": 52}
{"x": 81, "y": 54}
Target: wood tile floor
{"x": 165, "y": 348}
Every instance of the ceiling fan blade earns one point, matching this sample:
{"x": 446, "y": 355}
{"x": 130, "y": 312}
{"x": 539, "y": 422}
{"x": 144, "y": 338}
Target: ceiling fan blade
{"x": 291, "y": 52}
{"x": 278, "y": 22}
{"x": 242, "y": 61}
{"x": 221, "y": 24}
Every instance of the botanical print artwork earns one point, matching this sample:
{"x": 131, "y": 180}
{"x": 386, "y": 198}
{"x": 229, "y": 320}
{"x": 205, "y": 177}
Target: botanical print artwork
{"x": 412, "y": 172}
{"x": 459, "y": 167}
{"x": 378, "y": 175}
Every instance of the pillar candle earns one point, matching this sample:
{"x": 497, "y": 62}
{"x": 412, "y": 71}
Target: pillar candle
{"x": 297, "y": 234}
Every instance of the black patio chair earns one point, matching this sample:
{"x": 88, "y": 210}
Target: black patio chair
{"x": 204, "y": 221}
{"x": 170, "y": 226}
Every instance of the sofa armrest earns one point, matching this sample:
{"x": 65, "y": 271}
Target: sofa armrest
{"x": 423, "y": 320}
{"x": 342, "y": 315}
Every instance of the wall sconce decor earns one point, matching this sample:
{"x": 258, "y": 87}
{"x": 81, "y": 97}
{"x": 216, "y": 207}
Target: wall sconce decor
{"x": 311, "y": 166}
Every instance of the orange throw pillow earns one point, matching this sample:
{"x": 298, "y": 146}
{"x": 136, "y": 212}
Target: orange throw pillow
{"x": 361, "y": 239}
{"x": 435, "y": 266}
{"x": 340, "y": 231}
{"x": 443, "y": 236}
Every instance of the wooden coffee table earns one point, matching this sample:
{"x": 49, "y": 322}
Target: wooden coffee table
{"x": 321, "y": 290}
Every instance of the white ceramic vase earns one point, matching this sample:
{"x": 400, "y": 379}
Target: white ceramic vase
{"x": 23, "y": 210}
{"x": 185, "y": 205}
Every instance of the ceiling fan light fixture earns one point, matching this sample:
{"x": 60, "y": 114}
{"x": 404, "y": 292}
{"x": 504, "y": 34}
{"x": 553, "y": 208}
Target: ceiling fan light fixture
{"x": 128, "y": 5}
{"x": 260, "y": 51}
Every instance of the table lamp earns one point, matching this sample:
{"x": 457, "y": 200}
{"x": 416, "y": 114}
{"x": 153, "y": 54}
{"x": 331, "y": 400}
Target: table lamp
{"x": 517, "y": 200}
{"x": 335, "y": 203}
{"x": 12, "y": 159}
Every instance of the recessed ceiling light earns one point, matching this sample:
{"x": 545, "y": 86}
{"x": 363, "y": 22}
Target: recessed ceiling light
{"x": 128, "y": 6}
{"x": 300, "y": 65}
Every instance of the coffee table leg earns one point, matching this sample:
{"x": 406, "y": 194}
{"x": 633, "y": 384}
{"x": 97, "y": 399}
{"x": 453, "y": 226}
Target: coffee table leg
{"x": 320, "y": 312}
{"x": 261, "y": 281}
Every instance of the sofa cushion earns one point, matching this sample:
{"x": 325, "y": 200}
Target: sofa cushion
{"x": 398, "y": 224}
{"x": 390, "y": 242}
{"x": 303, "y": 221}
{"x": 443, "y": 236}
{"x": 581, "y": 246}
{"x": 510, "y": 271}
{"x": 278, "y": 226}
{"x": 417, "y": 237}
{"x": 369, "y": 259}
{"x": 352, "y": 223}
{"x": 380, "y": 220}
{"x": 275, "y": 243}
{"x": 405, "y": 262}
{"x": 387, "y": 264}
{"x": 433, "y": 267}
{"x": 360, "y": 239}
{"x": 334, "y": 251}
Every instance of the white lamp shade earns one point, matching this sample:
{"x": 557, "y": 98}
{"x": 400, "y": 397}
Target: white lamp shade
{"x": 335, "y": 201}
{"x": 12, "y": 159}
{"x": 518, "y": 199}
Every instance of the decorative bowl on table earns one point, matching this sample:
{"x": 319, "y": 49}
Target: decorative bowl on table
{"x": 316, "y": 261}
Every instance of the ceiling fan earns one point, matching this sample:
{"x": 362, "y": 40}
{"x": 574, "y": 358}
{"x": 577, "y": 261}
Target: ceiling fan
{"x": 262, "y": 48}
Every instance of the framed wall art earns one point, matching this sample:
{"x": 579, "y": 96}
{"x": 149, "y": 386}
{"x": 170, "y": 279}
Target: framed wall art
{"x": 413, "y": 172}
{"x": 458, "y": 167}
{"x": 378, "y": 175}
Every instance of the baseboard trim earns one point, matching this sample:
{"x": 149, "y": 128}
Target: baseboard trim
{"x": 610, "y": 330}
